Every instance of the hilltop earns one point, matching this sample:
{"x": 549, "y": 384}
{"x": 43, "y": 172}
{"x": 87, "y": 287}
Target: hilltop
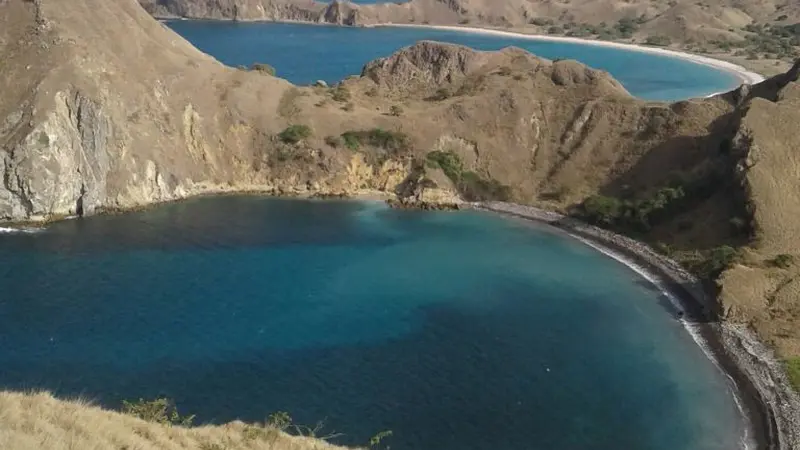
{"x": 101, "y": 114}
{"x": 761, "y": 35}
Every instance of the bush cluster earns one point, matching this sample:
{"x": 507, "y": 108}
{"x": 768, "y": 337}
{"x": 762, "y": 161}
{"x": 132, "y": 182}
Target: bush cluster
{"x": 294, "y": 134}
{"x": 470, "y": 185}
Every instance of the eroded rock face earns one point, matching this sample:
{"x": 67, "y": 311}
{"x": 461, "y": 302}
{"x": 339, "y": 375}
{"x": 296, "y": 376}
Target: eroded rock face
{"x": 60, "y": 167}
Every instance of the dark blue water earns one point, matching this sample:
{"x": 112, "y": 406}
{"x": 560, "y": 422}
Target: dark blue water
{"x": 303, "y": 54}
{"x": 457, "y": 331}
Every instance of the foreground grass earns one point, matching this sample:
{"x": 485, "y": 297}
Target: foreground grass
{"x": 41, "y": 422}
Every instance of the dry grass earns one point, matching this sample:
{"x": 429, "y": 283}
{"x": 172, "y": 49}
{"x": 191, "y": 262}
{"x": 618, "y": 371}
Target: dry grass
{"x": 38, "y": 421}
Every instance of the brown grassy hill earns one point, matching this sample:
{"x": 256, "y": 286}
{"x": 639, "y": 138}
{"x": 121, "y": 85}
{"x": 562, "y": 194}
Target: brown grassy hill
{"x": 104, "y": 108}
{"x": 40, "y": 422}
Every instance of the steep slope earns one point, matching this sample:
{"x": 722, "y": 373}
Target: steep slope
{"x": 100, "y": 122}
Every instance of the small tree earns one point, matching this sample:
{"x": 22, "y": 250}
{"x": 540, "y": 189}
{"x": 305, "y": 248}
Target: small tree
{"x": 295, "y": 133}
{"x": 377, "y": 440}
{"x": 160, "y": 410}
{"x": 396, "y": 111}
{"x": 280, "y": 420}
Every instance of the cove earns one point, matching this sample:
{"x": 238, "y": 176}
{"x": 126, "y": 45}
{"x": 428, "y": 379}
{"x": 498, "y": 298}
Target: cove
{"x": 455, "y": 330}
{"x": 304, "y": 53}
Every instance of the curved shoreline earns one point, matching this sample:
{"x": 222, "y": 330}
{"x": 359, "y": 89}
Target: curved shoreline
{"x": 769, "y": 404}
{"x": 744, "y": 75}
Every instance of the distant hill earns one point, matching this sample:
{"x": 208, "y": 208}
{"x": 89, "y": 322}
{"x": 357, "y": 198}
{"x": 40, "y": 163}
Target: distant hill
{"x": 747, "y": 30}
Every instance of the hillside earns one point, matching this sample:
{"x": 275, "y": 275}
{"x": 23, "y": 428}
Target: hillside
{"x": 761, "y": 34}
{"x": 39, "y": 421}
{"x": 100, "y": 114}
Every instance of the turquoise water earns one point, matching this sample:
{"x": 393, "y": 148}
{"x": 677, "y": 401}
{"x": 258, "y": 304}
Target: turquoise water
{"x": 303, "y": 54}
{"x": 457, "y": 331}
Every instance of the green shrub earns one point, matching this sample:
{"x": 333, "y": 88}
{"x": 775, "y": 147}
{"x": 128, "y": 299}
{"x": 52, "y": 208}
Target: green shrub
{"x": 295, "y": 133}
{"x": 475, "y": 188}
{"x": 351, "y": 140}
{"x": 626, "y": 27}
{"x": 449, "y": 162}
{"x": 783, "y": 261}
{"x": 263, "y": 68}
{"x": 541, "y": 21}
{"x": 392, "y": 141}
{"x": 659, "y": 40}
{"x": 280, "y": 420}
{"x": 160, "y": 410}
{"x": 793, "y": 370}
{"x": 719, "y": 259}
{"x": 602, "y": 210}
{"x": 378, "y": 439}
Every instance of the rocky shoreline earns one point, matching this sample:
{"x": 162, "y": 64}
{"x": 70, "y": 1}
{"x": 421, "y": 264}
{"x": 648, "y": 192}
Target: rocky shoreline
{"x": 763, "y": 389}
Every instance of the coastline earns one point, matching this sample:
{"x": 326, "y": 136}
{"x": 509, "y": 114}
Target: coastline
{"x": 744, "y": 75}
{"x": 759, "y": 381}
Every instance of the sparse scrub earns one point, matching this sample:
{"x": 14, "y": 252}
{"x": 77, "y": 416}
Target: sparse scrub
{"x": 340, "y": 94}
{"x": 658, "y": 40}
{"x": 709, "y": 264}
{"x": 471, "y": 185}
{"x": 160, "y": 410}
{"x": 626, "y": 27}
{"x": 393, "y": 141}
{"x": 376, "y": 441}
{"x": 396, "y": 110}
{"x": 449, "y": 162}
{"x": 263, "y": 68}
{"x": 783, "y": 261}
{"x": 793, "y": 370}
{"x": 476, "y": 188}
{"x": 295, "y": 133}
{"x": 349, "y": 107}
{"x": 351, "y": 140}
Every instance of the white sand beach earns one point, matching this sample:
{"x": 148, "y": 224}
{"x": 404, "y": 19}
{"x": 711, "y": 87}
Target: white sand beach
{"x": 740, "y": 72}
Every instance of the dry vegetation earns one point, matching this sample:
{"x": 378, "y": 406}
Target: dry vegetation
{"x": 41, "y": 422}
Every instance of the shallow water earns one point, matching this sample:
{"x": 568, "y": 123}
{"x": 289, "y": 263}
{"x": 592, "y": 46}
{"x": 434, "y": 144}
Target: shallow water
{"x": 303, "y": 54}
{"x": 455, "y": 330}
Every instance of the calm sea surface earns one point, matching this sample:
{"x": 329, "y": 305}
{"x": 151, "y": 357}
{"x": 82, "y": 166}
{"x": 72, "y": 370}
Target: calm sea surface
{"x": 303, "y": 54}
{"x": 455, "y": 330}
